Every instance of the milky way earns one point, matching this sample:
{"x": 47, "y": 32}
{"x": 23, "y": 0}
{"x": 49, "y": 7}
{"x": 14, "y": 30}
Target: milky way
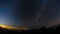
{"x": 30, "y": 13}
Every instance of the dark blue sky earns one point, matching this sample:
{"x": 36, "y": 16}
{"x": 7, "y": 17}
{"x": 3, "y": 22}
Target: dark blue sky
{"x": 6, "y": 12}
{"x": 30, "y": 13}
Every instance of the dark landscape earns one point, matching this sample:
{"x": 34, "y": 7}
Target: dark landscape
{"x": 42, "y": 30}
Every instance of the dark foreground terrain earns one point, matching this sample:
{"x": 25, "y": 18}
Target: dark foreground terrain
{"x": 42, "y": 30}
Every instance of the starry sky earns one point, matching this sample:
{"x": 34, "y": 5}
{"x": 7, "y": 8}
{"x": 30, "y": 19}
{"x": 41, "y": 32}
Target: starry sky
{"x": 30, "y": 13}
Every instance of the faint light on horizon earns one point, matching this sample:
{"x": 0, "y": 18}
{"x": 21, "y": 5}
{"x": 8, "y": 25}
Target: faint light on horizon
{"x": 11, "y": 27}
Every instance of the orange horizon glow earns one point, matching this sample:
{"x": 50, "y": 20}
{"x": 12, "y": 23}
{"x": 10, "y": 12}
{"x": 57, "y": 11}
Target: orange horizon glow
{"x": 11, "y": 27}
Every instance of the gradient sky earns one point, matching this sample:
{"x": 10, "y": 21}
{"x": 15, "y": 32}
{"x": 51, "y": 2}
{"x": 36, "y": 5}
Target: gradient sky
{"x": 30, "y": 13}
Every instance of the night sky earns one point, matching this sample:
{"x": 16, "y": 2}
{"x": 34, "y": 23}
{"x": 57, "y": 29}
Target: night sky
{"x": 30, "y": 13}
